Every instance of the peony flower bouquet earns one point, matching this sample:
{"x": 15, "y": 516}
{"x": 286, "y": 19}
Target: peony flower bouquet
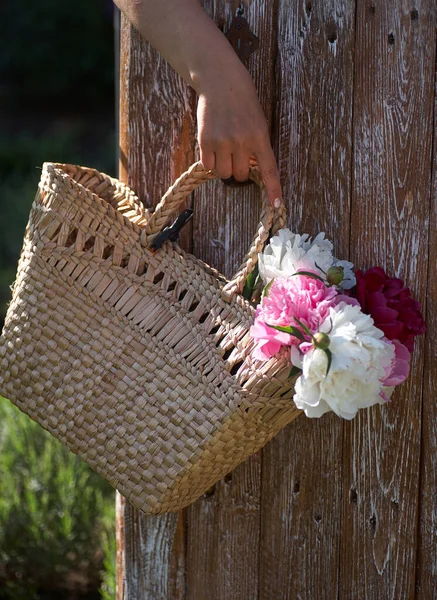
{"x": 349, "y": 334}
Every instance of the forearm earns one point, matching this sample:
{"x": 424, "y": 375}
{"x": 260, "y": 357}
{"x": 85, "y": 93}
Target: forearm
{"x": 230, "y": 121}
{"x": 188, "y": 39}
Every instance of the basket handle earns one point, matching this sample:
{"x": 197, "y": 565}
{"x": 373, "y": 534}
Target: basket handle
{"x": 271, "y": 218}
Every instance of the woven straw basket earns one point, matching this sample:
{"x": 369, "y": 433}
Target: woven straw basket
{"x": 139, "y": 362}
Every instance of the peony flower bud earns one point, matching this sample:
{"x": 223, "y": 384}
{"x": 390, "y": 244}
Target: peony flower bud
{"x": 321, "y": 340}
{"x": 335, "y": 275}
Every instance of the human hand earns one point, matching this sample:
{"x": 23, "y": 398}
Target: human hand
{"x": 231, "y": 125}
{"x": 231, "y": 129}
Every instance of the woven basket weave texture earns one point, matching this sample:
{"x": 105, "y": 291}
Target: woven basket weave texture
{"x": 139, "y": 362}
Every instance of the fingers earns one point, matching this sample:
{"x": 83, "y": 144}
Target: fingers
{"x": 228, "y": 139}
{"x": 226, "y": 164}
{"x": 270, "y": 175}
{"x": 240, "y": 165}
{"x": 223, "y": 163}
{"x": 207, "y": 157}
{"x": 237, "y": 165}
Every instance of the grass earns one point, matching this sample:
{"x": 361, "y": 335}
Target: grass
{"x": 107, "y": 587}
{"x": 56, "y": 516}
{"x": 57, "y": 104}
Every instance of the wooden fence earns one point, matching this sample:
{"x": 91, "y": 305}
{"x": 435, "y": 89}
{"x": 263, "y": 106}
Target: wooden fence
{"x": 329, "y": 509}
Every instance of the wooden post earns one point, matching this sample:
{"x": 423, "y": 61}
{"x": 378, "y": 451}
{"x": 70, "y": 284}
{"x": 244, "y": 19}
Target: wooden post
{"x": 395, "y": 47}
{"x": 328, "y": 509}
{"x": 155, "y": 145}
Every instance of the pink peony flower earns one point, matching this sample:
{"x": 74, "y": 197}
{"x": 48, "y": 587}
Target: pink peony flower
{"x": 390, "y": 304}
{"x": 400, "y": 366}
{"x": 269, "y": 340}
{"x": 301, "y": 297}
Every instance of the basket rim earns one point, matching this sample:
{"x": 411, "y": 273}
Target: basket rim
{"x": 59, "y": 169}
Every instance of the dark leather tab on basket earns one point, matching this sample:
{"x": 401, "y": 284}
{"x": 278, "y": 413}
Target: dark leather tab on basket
{"x": 171, "y": 233}
{"x": 133, "y": 359}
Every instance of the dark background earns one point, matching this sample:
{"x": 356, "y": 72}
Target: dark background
{"x": 57, "y": 103}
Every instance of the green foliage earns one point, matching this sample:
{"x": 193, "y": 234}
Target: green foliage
{"x": 56, "y": 104}
{"x": 55, "y": 513}
{"x": 21, "y": 159}
{"x": 294, "y": 372}
{"x": 107, "y": 588}
{"x": 289, "y": 329}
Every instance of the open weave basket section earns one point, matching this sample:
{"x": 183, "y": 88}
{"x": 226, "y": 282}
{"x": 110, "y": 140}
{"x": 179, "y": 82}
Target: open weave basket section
{"x": 137, "y": 361}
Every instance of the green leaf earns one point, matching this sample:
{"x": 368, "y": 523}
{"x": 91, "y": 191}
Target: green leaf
{"x": 294, "y": 371}
{"x": 248, "y": 286}
{"x": 304, "y": 327}
{"x": 291, "y": 330}
{"x": 266, "y": 290}
{"x": 309, "y": 274}
{"x": 250, "y": 283}
{"x": 329, "y": 355}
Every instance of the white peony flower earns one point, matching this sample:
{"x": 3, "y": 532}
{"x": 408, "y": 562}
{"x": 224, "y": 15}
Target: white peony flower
{"x": 289, "y": 252}
{"x": 360, "y": 359}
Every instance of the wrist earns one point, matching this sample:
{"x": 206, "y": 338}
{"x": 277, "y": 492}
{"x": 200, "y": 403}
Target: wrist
{"x": 210, "y": 61}
{"x": 224, "y": 75}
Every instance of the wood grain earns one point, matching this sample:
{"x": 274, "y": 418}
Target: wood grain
{"x": 302, "y": 467}
{"x": 223, "y": 527}
{"x": 156, "y": 133}
{"x": 393, "y": 102}
{"x": 148, "y": 550}
{"x": 329, "y": 510}
{"x": 427, "y": 554}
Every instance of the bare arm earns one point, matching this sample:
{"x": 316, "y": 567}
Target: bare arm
{"x": 231, "y": 123}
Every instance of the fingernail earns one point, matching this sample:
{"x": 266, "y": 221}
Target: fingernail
{"x": 277, "y": 203}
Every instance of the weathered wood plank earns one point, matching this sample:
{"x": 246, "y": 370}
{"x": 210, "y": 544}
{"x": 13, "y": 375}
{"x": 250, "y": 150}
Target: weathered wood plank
{"x": 302, "y": 467}
{"x": 223, "y": 528}
{"x": 222, "y": 552}
{"x": 177, "y": 580}
{"x": 120, "y": 554}
{"x": 393, "y": 96}
{"x": 148, "y": 547}
{"x": 156, "y": 133}
{"x": 427, "y": 554}
{"x": 314, "y": 469}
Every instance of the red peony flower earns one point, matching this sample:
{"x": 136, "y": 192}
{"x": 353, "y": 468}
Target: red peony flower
{"x": 390, "y": 304}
